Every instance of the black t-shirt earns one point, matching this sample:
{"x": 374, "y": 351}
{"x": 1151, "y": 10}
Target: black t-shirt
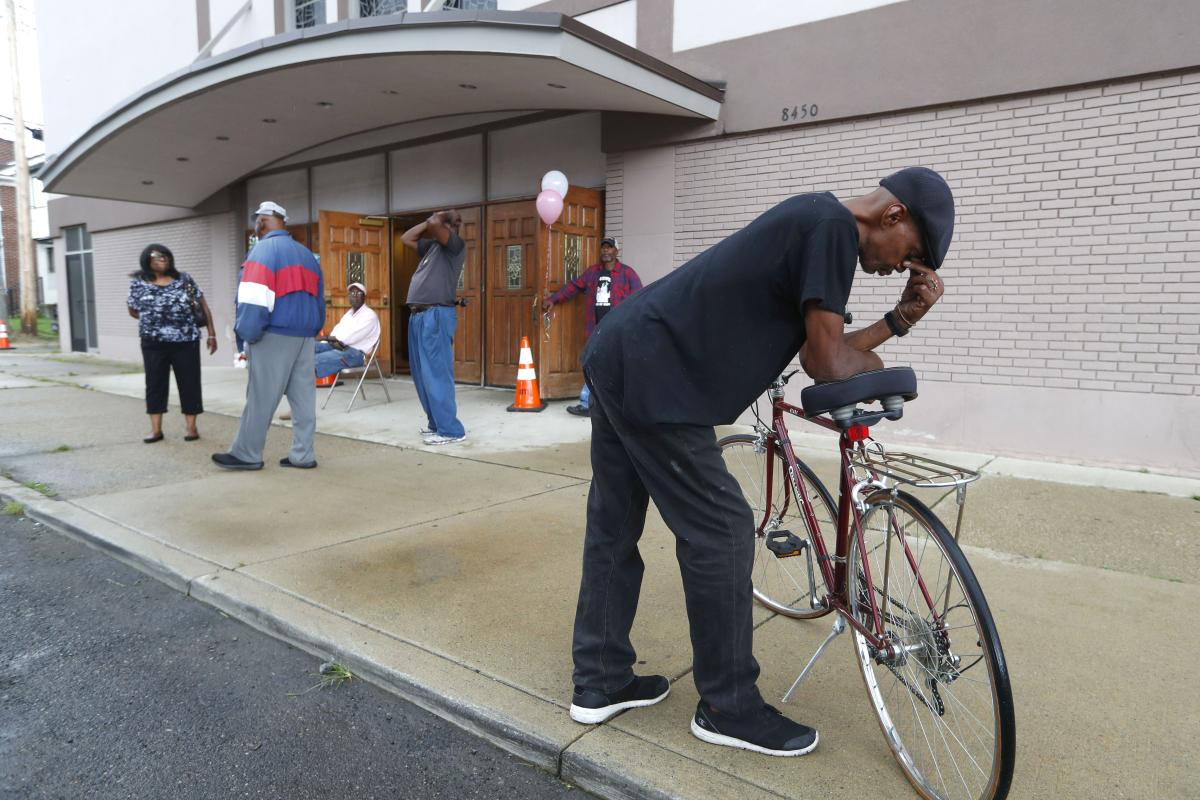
{"x": 698, "y": 346}
{"x": 603, "y": 294}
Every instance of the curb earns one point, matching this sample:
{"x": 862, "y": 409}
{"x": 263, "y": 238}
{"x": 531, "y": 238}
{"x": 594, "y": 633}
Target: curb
{"x": 234, "y": 594}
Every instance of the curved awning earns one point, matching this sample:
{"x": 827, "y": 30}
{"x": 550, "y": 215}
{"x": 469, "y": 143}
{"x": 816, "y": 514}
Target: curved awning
{"x": 194, "y": 132}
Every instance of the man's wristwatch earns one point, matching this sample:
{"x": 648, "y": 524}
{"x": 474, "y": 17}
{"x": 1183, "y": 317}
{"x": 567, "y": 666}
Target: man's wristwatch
{"x": 893, "y": 323}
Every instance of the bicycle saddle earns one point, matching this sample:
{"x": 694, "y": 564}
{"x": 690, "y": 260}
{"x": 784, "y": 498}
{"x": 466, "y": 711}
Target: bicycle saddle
{"x": 865, "y": 387}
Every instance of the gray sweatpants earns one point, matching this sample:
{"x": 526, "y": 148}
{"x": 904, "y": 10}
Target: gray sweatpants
{"x": 278, "y": 365}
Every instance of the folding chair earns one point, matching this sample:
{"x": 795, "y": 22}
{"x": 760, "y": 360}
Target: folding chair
{"x": 348, "y": 372}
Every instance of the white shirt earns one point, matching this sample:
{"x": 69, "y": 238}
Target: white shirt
{"x": 358, "y": 329}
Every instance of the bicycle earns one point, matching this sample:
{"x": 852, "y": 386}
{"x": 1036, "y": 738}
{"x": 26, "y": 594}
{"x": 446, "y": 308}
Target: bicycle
{"x": 924, "y": 637}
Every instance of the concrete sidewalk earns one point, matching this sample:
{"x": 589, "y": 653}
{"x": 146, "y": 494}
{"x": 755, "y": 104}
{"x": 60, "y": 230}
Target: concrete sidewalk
{"x": 450, "y": 576}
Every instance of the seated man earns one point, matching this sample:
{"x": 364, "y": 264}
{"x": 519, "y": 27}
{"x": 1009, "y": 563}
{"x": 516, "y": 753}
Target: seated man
{"x": 352, "y": 339}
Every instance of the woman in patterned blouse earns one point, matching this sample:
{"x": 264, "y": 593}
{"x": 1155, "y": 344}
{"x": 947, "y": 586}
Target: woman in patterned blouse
{"x": 163, "y": 301}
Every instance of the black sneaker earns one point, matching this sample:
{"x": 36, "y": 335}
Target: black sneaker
{"x": 579, "y": 410}
{"x": 231, "y": 462}
{"x": 764, "y": 731}
{"x": 287, "y": 462}
{"x": 590, "y": 706}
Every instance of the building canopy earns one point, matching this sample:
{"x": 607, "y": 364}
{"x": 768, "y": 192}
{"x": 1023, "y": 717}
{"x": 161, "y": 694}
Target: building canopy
{"x": 193, "y": 132}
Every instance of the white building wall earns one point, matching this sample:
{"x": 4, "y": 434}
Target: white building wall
{"x": 288, "y": 189}
{"x": 257, "y": 23}
{"x": 1070, "y": 328}
{"x": 437, "y": 175}
{"x": 702, "y": 22}
{"x": 618, "y": 21}
{"x": 357, "y": 186}
{"x": 520, "y": 156}
{"x": 205, "y": 247}
{"x": 85, "y": 75}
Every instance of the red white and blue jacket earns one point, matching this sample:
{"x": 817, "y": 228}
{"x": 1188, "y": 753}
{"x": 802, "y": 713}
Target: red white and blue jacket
{"x": 624, "y": 283}
{"x": 282, "y": 290}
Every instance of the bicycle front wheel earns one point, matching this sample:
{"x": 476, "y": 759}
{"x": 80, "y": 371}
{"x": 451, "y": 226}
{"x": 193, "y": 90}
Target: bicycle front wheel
{"x": 780, "y": 584}
{"x": 943, "y": 697}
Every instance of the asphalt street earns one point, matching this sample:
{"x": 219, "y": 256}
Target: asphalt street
{"x": 114, "y": 686}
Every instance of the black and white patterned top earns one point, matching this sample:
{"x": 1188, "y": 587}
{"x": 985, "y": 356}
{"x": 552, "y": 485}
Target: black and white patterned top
{"x": 165, "y": 312}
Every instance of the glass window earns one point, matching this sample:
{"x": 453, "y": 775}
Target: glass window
{"x": 307, "y": 13}
{"x": 378, "y": 8}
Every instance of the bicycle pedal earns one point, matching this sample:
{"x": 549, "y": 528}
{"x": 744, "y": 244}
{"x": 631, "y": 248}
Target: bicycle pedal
{"x": 785, "y": 544}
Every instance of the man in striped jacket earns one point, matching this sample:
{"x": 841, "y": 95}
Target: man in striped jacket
{"x": 280, "y": 308}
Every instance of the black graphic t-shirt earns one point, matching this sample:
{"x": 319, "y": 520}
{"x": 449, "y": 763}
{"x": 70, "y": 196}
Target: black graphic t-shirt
{"x": 603, "y": 294}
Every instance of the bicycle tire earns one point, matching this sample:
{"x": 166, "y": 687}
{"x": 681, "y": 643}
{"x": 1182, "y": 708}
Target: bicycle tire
{"x": 780, "y": 584}
{"x": 927, "y": 685}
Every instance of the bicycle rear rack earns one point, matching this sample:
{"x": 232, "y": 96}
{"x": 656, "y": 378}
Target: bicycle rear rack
{"x": 910, "y": 469}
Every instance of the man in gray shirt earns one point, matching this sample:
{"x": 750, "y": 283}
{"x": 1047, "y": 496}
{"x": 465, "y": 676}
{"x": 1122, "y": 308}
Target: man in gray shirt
{"x": 432, "y": 321}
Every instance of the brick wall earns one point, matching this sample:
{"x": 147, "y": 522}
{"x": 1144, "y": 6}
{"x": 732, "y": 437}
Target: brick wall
{"x": 12, "y": 262}
{"x": 614, "y": 196}
{"x": 1078, "y": 214}
{"x": 204, "y": 247}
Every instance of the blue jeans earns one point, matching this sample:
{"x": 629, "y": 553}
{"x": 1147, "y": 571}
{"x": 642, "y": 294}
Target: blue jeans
{"x": 431, "y": 358}
{"x": 585, "y": 396}
{"x": 330, "y": 360}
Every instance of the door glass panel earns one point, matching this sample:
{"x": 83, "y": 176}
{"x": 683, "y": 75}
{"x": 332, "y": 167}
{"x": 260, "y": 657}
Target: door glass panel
{"x": 514, "y": 269}
{"x": 572, "y": 256}
{"x": 77, "y": 304}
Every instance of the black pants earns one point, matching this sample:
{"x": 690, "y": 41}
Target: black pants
{"x": 160, "y": 358}
{"x": 680, "y": 466}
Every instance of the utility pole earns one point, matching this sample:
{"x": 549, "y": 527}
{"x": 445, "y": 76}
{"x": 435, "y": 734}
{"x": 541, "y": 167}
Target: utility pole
{"x": 25, "y": 257}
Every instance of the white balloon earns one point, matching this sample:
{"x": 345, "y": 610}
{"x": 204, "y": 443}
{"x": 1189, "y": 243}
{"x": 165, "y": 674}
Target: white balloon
{"x": 555, "y": 180}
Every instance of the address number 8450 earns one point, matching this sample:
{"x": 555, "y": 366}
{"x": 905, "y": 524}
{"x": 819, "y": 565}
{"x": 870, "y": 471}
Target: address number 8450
{"x": 797, "y": 112}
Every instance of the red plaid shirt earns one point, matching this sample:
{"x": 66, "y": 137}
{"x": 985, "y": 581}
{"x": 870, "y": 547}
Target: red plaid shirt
{"x": 624, "y": 283}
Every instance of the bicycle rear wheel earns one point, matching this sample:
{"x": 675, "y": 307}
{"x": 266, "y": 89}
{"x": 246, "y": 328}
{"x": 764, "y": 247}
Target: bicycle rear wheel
{"x": 780, "y": 584}
{"x": 945, "y": 703}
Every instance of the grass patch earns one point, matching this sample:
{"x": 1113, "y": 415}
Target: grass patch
{"x": 40, "y": 487}
{"x": 62, "y": 448}
{"x": 13, "y": 508}
{"x": 1196, "y": 497}
{"x": 44, "y": 330}
{"x": 332, "y": 675}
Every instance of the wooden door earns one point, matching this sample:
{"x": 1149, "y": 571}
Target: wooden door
{"x": 512, "y": 288}
{"x": 356, "y": 248}
{"x": 468, "y": 338}
{"x": 574, "y": 246}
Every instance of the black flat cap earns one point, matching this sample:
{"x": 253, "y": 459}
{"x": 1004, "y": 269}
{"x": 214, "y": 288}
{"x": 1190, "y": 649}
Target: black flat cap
{"x": 929, "y": 200}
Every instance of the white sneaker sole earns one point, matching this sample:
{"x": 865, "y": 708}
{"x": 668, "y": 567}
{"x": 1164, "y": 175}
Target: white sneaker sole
{"x": 439, "y": 442}
{"x": 729, "y": 741}
{"x": 594, "y": 716}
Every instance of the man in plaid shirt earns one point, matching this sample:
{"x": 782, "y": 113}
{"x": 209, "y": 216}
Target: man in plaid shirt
{"x": 607, "y": 284}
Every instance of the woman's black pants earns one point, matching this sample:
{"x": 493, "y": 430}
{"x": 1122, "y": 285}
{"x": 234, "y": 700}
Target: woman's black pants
{"x": 162, "y": 357}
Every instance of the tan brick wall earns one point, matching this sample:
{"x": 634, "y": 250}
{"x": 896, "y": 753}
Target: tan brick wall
{"x": 614, "y": 196}
{"x": 204, "y": 247}
{"x": 1078, "y": 217}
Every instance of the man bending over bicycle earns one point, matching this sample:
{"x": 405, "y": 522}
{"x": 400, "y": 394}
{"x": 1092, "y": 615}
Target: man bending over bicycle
{"x": 694, "y": 350}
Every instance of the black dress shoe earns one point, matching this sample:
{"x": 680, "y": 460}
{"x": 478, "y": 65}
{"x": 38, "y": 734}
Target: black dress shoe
{"x": 287, "y": 462}
{"x": 230, "y": 462}
{"x": 579, "y": 410}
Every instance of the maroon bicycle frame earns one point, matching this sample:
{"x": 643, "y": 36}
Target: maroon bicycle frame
{"x": 833, "y": 568}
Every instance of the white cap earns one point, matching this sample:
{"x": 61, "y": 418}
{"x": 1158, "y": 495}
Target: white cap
{"x": 361, "y": 288}
{"x": 267, "y": 207}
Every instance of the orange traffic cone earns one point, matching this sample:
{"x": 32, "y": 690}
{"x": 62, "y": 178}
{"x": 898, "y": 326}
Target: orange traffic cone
{"x": 328, "y": 379}
{"x": 528, "y": 398}
{"x": 4, "y": 345}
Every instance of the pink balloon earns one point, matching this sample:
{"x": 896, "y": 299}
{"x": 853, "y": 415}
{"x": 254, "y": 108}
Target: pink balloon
{"x": 549, "y": 206}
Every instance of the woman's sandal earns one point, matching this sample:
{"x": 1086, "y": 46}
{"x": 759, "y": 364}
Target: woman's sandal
{"x": 152, "y": 439}
{"x": 191, "y": 437}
